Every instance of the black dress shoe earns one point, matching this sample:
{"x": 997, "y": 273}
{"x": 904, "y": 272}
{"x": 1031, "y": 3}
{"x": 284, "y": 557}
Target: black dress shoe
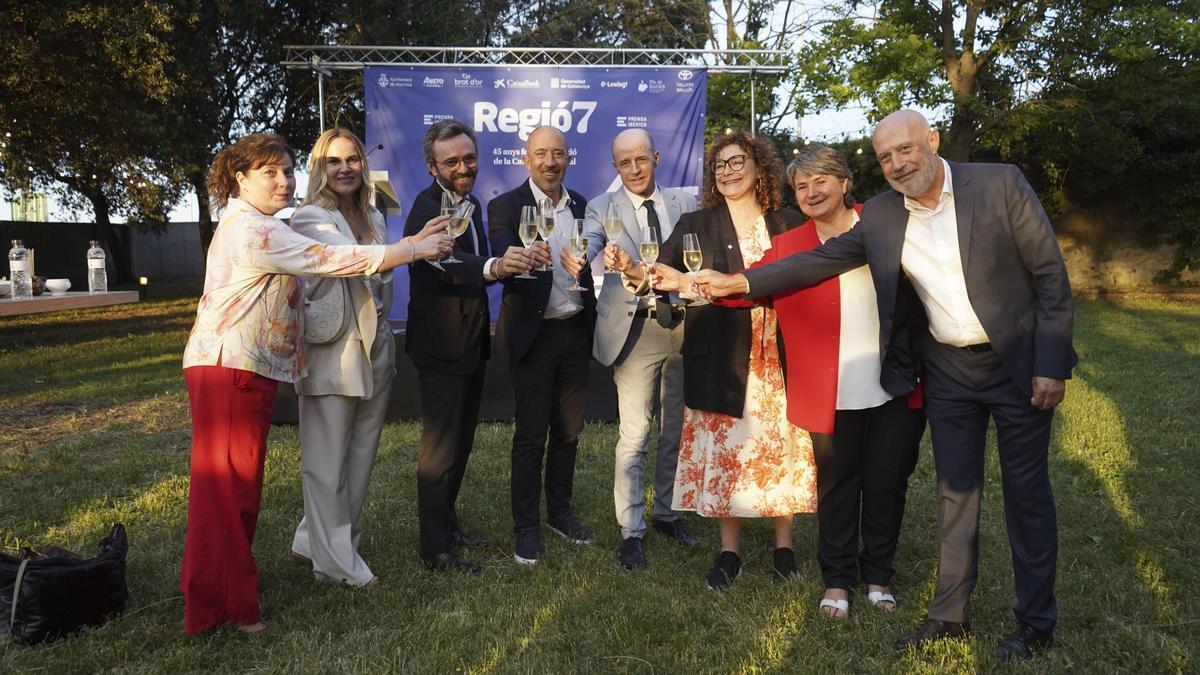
{"x": 676, "y": 530}
{"x": 1023, "y": 643}
{"x": 933, "y": 630}
{"x": 461, "y": 540}
{"x": 446, "y": 562}
{"x": 633, "y": 554}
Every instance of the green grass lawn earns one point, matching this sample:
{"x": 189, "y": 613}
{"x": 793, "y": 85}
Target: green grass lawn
{"x": 94, "y": 430}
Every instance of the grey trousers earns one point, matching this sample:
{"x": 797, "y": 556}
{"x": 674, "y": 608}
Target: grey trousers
{"x": 649, "y": 378}
{"x": 339, "y": 436}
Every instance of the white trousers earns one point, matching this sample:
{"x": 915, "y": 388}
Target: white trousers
{"x": 339, "y": 436}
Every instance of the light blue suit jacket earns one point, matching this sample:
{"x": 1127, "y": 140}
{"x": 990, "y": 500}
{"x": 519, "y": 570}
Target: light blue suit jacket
{"x": 616, "y": 304}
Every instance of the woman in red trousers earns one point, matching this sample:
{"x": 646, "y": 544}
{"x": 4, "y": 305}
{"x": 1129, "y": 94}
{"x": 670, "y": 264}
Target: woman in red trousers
{"x": 247, "y": 339}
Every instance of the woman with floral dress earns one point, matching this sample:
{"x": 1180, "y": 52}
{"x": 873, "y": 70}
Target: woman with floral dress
{"x": 739, "y": 457}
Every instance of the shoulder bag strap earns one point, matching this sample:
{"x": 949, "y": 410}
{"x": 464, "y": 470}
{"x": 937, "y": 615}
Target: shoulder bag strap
{"x": 16, "y": 595}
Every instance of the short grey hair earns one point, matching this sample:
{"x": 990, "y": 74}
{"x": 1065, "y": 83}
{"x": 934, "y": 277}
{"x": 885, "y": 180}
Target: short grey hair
{"x": 816, "y": 160}
{"x": 442, "y": 130}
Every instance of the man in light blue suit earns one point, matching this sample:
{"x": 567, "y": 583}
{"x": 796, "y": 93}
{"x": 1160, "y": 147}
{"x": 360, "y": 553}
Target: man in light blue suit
{"x": 639, "y": 334}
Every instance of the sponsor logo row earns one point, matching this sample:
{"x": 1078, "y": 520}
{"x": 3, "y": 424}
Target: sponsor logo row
{"x": 684, "y": 82}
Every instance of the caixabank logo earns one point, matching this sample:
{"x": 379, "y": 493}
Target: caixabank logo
{"x": 510, "y": 83}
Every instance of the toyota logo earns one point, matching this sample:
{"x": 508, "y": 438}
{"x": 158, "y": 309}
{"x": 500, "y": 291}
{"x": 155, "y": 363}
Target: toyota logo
{"x": 686, "y": 75}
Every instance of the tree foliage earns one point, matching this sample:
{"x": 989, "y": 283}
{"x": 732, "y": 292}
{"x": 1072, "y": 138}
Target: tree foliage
{"x": 1119, "y": 123}
{"x": 84, "y": 105}
{"x": 1094, "y": 99}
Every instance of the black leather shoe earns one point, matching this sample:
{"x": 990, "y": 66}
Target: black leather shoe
{"x": 446, "y": 562}
{"x": 726, "y": 568}
{"x": 783, "y": 564}
{"x": 1023, "y": 643}
{"x": 931, "y": 631}
{"x": 461, "y": 540}
{"x": 676, "y": 530}
{"x": 633, "y": 554}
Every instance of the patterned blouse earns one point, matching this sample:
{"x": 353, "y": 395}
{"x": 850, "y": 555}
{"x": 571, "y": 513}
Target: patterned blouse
{"x": 249, "y": 317}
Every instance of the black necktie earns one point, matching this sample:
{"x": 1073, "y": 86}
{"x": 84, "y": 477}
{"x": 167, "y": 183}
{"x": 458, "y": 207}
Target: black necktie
{"x": 662, "y": 308}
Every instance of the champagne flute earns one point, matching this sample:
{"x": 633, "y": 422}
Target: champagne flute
{"x": 460, "y": 220}
{"x": 528, "y": 232}
{"x": 693, "y": 258}
{"x": 649, "y": 246}
{"x": 447, "y": 203}
{"x": 613, "y": 229}
{"x": 545, "y": 225}
{"x": 578, "y": 243}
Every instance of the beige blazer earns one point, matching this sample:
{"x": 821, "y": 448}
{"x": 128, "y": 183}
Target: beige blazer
{"x": 342, "y": 367}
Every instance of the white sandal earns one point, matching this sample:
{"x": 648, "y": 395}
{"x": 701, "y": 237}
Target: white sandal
{"x": 842, "y": 606}
{"x": 877, "y": 597}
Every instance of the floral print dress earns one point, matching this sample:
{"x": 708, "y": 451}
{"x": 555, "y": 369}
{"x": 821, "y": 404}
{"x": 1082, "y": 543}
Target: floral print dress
{"x": 758, "y": 465}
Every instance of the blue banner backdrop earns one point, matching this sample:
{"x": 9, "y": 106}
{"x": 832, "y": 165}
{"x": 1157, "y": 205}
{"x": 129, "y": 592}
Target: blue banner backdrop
{"x": 503, "y": 105}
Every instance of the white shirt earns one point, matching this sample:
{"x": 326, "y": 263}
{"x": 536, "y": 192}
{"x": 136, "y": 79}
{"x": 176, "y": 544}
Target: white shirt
{"x": 858, "y": 342}
{"x": 932, "y": 259}
{"x": 562, "y": 303}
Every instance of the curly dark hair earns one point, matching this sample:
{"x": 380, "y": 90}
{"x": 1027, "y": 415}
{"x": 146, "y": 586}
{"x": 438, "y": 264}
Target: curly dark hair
{"x": 770, "y": 173}
{"x": 249, "y": 153}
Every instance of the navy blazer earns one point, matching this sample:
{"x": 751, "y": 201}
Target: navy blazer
{"x": 716, "y": 338}
{"x": 525, "y": 300}
{"x": 449, "y": 324}
{"x": 1016, "y": 279}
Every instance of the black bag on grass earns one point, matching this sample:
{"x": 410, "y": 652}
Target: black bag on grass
{"x": 48, "y": 592}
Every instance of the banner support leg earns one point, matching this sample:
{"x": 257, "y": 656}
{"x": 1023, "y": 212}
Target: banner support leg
{"x": 753, "y": 117}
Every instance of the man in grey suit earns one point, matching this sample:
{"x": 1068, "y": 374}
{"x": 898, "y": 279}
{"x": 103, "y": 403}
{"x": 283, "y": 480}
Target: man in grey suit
{"x": 639, "y": 335}
{"x": 982, "y": 255}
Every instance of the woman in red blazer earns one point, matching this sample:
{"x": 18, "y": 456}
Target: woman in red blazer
{"x": 864, "y": 440}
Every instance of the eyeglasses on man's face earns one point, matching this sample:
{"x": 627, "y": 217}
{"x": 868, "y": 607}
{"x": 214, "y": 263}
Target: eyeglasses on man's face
{"x": 735, "y": 163}
{"x": 455, "y": 162}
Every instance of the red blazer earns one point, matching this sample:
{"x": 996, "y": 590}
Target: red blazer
{"x": 810, "y": 320}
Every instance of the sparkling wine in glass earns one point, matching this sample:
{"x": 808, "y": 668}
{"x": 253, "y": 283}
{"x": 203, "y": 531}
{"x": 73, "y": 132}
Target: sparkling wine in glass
{"x": 460, "y": 220}
{"x": 649, "y": 246}
{"x": 447, "y": 203}
{"x": 527, "y": 230}
{"x": 578, "y": 243}
{"x": 613, "y": 229}
{"x": 693, "y": 258}
{"x": 545, "y": 225}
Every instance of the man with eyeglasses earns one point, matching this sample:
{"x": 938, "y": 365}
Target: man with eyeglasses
{"x": 448, "y": 340}
{"x": 639, "y": 334}
{"x": 547, "y": 329}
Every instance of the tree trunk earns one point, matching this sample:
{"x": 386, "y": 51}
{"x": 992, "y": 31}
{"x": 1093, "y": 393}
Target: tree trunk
{"x": 961, "y": 134}
{"x": 205, "y": 217}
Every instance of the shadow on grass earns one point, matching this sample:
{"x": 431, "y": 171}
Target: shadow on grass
{"x": 1133, "y": 398}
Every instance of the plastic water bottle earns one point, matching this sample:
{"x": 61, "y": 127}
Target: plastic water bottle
{"x": 18, "y": 271}
{"x": 97, "y": 276}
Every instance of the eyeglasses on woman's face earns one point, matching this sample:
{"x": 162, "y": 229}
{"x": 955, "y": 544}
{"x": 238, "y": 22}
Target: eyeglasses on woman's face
{"x": 735, "y": 163}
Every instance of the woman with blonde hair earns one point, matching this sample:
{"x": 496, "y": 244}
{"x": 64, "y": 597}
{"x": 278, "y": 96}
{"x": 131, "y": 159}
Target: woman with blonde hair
{"x": 245, "y": 341}
{"x": 343, "y": 397}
